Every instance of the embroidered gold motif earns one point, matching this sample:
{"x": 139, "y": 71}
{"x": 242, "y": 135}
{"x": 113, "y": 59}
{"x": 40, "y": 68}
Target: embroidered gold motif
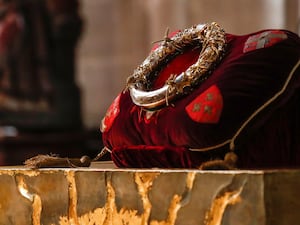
{"x": 197, "y": 107}
{"x": 207, "y": 109}
{"x": 209, "y": 96}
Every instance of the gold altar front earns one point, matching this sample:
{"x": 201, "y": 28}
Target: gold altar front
{"x": 156, "y": 197}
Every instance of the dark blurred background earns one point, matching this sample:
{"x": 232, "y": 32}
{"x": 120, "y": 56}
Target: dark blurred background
{"x": 62, "y": 62}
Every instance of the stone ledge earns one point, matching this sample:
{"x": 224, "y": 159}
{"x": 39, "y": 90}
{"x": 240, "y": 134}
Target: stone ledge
{"x": 157, "y": 197}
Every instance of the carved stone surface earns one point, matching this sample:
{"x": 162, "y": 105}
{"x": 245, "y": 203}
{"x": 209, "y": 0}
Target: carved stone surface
{"x": 156, "y": 197}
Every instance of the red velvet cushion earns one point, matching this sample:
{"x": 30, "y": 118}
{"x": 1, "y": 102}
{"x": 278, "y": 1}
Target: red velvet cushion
{"x": 221, "y": 113}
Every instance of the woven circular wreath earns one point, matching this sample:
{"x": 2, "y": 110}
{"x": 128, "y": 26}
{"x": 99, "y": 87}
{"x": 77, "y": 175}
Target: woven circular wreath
{"x": 211, "y": 39}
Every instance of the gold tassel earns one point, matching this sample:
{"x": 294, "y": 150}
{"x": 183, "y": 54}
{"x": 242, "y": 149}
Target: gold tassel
{"x": 229, "y": 163}
{"x": 49, "y": 161}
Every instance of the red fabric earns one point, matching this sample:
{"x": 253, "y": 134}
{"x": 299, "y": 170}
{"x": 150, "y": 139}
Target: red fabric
{"x": 111, "y": 114}
{"x": 207, "y": 107}
{"x": 243, "y": 82}
{"x": 150, "y": 156}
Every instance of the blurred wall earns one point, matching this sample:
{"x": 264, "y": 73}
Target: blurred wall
{"x": 118, "y": 35}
